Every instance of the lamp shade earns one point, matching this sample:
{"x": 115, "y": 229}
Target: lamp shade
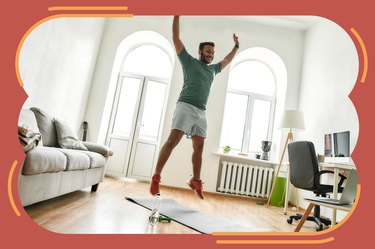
{"x": 293, "y": 120}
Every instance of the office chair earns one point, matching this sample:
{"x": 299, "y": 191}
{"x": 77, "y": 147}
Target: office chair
{"x": 305, "y": 174}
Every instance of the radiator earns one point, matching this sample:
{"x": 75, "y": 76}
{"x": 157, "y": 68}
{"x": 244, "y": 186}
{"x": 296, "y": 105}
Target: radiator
{"x": 244, "y": 179}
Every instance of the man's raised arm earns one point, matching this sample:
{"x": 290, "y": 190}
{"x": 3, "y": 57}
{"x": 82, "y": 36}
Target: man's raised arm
{"x": 176, "y": 35}
{"x": 231, "y": 54}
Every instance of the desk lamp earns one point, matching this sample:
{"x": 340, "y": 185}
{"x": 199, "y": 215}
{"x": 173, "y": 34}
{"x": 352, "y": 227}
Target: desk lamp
{"x": 292, "y": 120}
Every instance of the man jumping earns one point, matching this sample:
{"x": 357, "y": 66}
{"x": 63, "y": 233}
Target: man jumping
{"x": 189, "y": 116}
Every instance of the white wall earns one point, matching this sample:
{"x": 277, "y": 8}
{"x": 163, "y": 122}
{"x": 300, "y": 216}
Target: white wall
{"x": 330, "y": 70}
{"x": 56, "y": 64}
{"x": 288, "y": 44}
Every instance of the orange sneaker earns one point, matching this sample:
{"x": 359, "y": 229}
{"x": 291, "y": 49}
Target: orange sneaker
{"x": 154, "y": 186}
{"x": 196, "y": 186}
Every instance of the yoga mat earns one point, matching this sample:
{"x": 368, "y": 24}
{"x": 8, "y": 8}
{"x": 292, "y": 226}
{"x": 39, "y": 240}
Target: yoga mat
{"x": 196, "y": 220}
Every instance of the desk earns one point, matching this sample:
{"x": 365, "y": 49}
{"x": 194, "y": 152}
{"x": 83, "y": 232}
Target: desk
{"x": 322, "y": 204}
{"x": 336, "y": 167}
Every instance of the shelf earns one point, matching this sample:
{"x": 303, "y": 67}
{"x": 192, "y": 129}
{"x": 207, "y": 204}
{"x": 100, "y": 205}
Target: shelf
{"x": 244, "y": 157}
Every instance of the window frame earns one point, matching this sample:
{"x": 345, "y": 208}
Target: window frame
{"x": 138, "y": 45}
{"x": 252, "y": 96}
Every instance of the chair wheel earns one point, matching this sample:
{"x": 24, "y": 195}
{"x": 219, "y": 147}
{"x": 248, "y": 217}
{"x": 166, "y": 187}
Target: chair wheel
{"x": 320, "y": 228}
{"x": 289, "y": 220}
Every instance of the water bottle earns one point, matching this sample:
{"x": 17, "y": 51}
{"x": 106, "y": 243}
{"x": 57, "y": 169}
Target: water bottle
{"x": 154, "y": 216}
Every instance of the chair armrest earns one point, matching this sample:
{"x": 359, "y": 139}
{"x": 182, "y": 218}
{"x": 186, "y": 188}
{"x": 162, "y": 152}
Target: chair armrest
{"x": 99, "y": 148}
{"x": 342, "y": 177}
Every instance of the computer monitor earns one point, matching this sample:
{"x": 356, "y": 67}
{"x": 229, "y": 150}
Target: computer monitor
{"x": 337, "y": 145}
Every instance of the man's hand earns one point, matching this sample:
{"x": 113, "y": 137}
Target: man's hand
{"x": 236, "y": 42}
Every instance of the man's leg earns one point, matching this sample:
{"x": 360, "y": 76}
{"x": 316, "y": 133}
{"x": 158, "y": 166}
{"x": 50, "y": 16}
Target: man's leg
{"x": 198, "y": 143}
{"x": 173, "y": 139}
{"x": 196, "y": 183}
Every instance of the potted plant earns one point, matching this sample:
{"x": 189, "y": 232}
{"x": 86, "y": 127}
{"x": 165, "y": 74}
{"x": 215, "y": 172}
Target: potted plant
{"x": 226, "y": 149}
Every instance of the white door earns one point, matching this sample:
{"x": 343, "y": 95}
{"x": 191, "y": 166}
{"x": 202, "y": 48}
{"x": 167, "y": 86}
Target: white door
{"x": 135, "y": 127}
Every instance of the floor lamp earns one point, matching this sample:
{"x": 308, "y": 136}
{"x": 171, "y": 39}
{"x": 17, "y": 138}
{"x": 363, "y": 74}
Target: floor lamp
{"x": 293, "y": 121}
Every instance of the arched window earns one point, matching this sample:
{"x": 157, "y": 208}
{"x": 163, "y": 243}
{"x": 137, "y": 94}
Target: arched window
{"x": 156, "y": 72}
{"x": 148, "y": 59}
{"x": 140, "y": 81}
{"x": 251, "y": 99}
{"x": 131, "y": 53}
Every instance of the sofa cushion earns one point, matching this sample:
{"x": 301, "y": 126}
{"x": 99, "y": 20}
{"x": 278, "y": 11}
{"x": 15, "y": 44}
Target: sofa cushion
{"x": 96, "y": 159}
{"x": 46, "y": 127}
{"x": 44, "y": 160}
{"x": 75, "y": 159}
{"x": 66, "y": 137}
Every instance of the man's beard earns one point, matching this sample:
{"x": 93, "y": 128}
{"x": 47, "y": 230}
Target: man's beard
{"x": 203, "y": 59}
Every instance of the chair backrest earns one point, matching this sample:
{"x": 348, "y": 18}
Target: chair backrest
{"x": 303, "y": 165}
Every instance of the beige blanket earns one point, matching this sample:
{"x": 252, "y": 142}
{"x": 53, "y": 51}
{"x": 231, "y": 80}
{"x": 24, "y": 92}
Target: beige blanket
{"x": 28, "y": 138}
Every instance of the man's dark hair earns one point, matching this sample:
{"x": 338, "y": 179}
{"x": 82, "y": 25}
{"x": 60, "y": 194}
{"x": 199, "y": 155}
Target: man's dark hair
{"x": 202, "y": 44}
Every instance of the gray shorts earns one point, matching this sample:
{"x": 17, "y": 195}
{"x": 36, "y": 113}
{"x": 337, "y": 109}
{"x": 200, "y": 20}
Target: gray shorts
{"x": 189, "y": 119}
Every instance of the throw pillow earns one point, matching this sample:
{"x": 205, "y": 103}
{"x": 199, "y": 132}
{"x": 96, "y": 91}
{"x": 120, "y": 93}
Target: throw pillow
{"x": 46, "y": 127}
{"x": 67, "y": 138}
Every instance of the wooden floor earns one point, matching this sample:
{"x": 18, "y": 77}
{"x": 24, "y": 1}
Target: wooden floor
{"x": 107, "y": 211}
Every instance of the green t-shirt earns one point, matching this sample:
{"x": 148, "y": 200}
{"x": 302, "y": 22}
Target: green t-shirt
{"x": 198, "y": 78}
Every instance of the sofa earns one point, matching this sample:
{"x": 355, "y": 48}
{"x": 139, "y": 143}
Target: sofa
{"x": 56, "y": 161}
